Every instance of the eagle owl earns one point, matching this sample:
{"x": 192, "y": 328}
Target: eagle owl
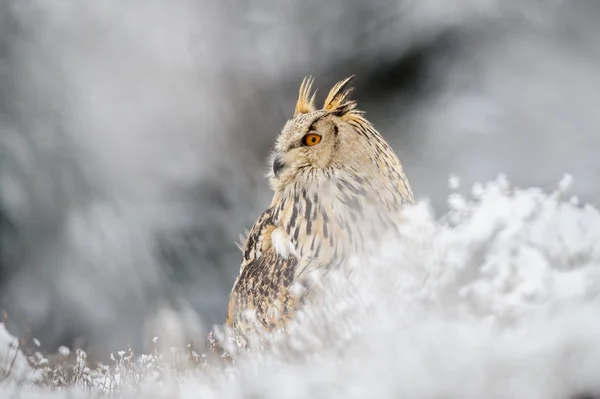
{"x": 337, "y": 184}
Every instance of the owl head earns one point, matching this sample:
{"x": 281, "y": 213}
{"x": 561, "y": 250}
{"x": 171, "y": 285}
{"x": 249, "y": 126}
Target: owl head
{"x": 319, "y": 143}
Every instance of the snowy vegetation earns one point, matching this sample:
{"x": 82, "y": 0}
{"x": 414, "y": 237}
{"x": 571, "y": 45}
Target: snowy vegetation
{"x": 497, "y": 298}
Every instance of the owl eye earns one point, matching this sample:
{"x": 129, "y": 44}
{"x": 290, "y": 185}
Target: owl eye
{"x": 311, "y": 139}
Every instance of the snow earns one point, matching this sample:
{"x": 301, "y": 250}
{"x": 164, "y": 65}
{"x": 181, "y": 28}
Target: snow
{"x": 12, "y": 360}
{"x": 498, "y": 298}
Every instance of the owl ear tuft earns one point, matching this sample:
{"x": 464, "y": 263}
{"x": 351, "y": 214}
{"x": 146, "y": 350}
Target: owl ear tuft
{"x": 305, "y": 104}
{"x": 337, "y": 101}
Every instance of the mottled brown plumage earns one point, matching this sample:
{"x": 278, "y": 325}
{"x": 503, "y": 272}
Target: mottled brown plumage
{"x": 337, "y": 185}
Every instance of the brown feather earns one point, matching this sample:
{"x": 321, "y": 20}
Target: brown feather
{"x": 305, "y": 103}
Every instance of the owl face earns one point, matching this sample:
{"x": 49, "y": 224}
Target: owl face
{"x": 307, "y": 144}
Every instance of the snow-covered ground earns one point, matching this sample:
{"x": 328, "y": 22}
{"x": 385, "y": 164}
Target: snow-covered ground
{"x": 499, "y": 298}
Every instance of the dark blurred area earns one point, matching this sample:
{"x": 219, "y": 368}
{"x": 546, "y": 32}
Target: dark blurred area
{"x": 134, "y": 135}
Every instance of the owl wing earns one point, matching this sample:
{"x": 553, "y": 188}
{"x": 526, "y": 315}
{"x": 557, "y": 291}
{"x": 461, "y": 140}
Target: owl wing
{"x": 264, "y": 283}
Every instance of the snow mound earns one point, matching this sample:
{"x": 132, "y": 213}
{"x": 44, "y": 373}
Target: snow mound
{"x": 498, "y": 298}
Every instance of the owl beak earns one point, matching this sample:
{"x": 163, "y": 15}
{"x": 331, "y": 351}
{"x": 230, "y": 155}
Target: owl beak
{"x": 277, "y": 166}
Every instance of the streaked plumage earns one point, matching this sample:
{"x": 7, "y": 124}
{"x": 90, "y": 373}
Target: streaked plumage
{"x": 337, "y": 184}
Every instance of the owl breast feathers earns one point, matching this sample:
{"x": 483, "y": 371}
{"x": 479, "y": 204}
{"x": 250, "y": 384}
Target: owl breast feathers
{"x": 337, "y": 184}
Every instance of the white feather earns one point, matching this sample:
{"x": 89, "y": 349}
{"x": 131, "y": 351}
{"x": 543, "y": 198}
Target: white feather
{"x": 281, "y": 242}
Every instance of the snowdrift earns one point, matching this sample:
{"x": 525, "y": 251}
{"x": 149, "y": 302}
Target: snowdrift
{"x": 498, "y": 298}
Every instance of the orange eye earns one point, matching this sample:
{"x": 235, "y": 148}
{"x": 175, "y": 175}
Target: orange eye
{"x": 311, "y": 139}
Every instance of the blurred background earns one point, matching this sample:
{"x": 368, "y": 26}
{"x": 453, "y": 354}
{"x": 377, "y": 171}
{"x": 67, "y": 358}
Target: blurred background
{"x": 134, "y": 134}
